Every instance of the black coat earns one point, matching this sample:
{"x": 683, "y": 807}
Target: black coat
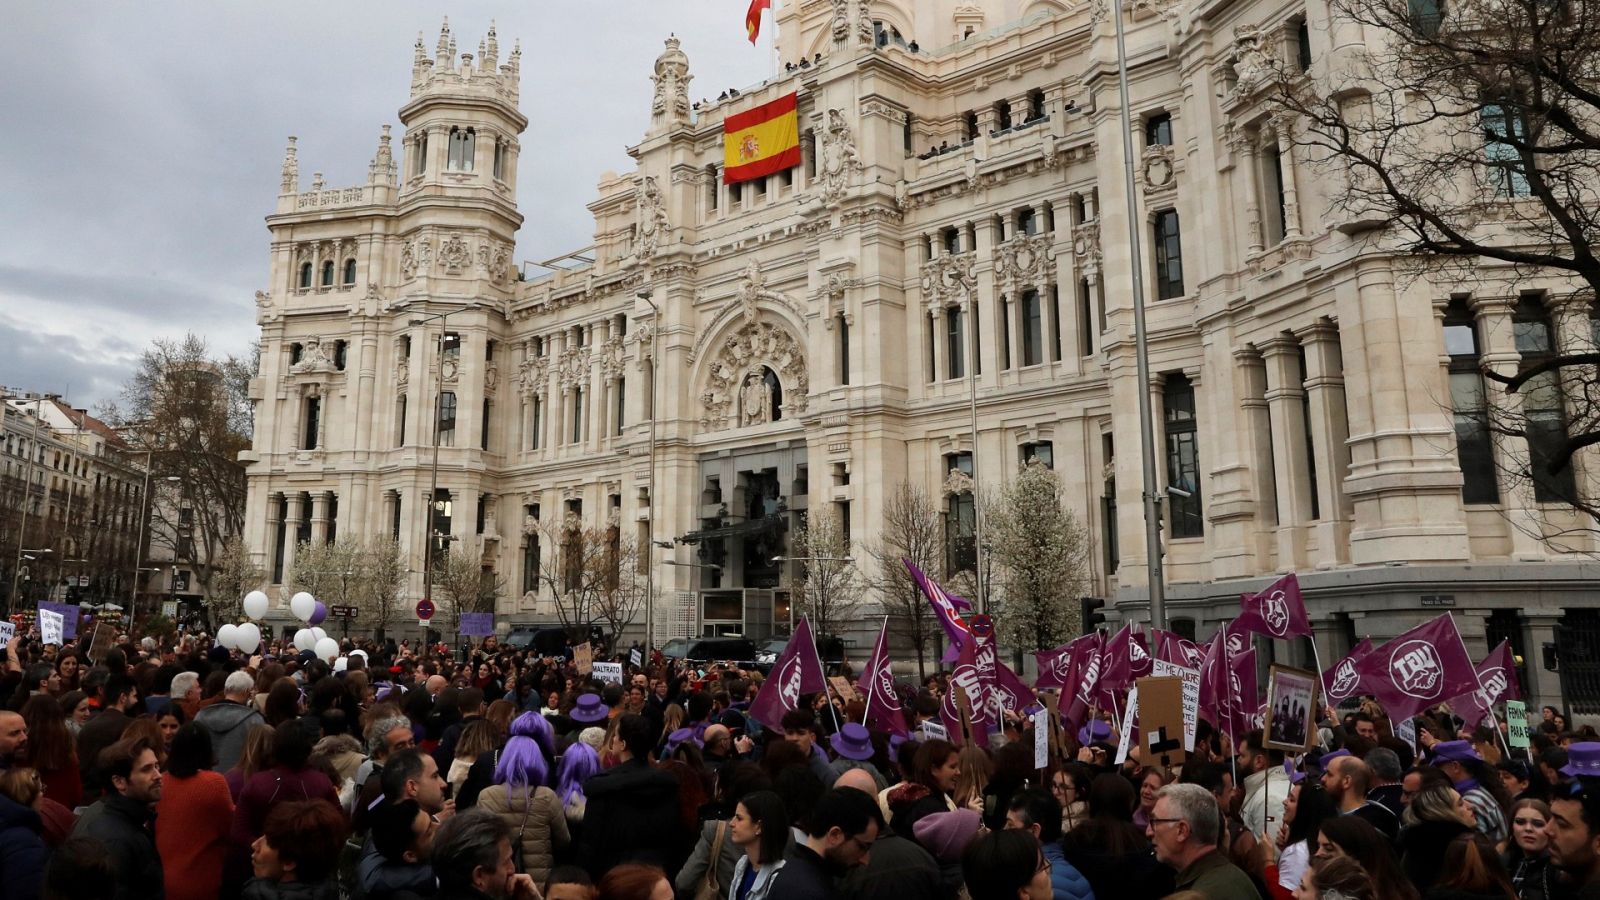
{"x": 803, "y": 877}
{"x": 22, "y": 851}
{"x": 1422, "y": 849}
{"x": 898, "y": 868}
{"x": 631, "y": 815}
{"x": 127, "y": 829}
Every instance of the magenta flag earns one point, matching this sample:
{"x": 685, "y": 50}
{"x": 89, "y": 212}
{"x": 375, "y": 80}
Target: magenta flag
{"x": 1423, "y": 667}
{"x": 877, "y": 685}
{"x": 1278, "y": 612}
{"x": 1056, "y": 667}
{"x": 798, "y": 672}
{"x": 975, "y": 673}
{"x": 1497, "y": 675}
{"x": 1344, "y": 680}
{"x": 1126, "y": 659}
{"x": 1213, "y": 696}
{"x": 1010, "y": 692}
{"x": 946, "y": 608}
{"x": 1246, "y": 701}
{"x": 1228, "y": 688}
{"x": 1175, "y": 648}
{"x": 1082, "y": 686}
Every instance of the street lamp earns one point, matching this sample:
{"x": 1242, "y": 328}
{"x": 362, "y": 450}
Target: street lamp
{"x": 27, "y": 496}
{"x": 433, "y": 490}
{"x": 650, "y": 480}
{"x": 144, "y": 529}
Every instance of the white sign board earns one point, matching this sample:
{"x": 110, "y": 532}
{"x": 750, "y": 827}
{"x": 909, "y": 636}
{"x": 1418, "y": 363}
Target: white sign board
{"x": 1191, "y": 696}
{"x": 610, "y": 672}
{"x": 51, "y": 626}
{"x": 636, "y": 658}
{"x": 1041, "y": 739}
{"x": 7, "y": 632}
{"x": 1407, "y": 731}
{"x": 1128, "y": 715}
{"x": 933, "y": 731}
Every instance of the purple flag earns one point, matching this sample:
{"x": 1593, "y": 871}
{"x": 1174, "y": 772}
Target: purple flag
{"x": 69, "y": 616}
{"x": 1056, "y": 667}
{"x": 946, "y": 608}
{"x": 974, "y": 673}
{"x": 1498, "y": 676}
{"x": 1010, "y": 692}
{"x": 1344, "y": 680}
{"x": 1126, "y": 659}
{"x": 1277, "y": 612}
{"x": 798, "y": 672}
{"x": 1175, "y": 648}
{"x": 1423, "y": 667}
{"x": 1245, "y": 702}
{"x": 1082, "y": 685}
{"x": 877, "y": 684}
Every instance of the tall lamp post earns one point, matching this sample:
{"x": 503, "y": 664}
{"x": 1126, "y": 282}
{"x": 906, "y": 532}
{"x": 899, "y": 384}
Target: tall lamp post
{"x": 433, "y": 490}
{"x": 972, "y": 409}
{"x": 27, "y": 497}
{"x": 650, "y": 482}
{"x": 145, "y": 510}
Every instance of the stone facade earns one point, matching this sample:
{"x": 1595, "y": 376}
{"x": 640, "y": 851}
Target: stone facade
{"x": 813, "y": 330}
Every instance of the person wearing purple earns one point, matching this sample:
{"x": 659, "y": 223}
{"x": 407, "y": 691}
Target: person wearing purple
{"x": 521, "y": 800}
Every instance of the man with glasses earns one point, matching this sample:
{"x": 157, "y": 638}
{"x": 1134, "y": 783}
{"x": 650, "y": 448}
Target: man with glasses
{"x": 839, "y": 836}
{"x": 1185, "y": 826}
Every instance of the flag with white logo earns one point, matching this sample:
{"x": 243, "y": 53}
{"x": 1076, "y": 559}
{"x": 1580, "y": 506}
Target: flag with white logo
{"x": 947, "y": 609}
{"x": 1425, "y": 666}
{"x": 877, "y": 686}
{"x": 797, "y": 673}
{"x": 1497, "y": 677}
{"x": 1279, "y": 612}
{"x": 1344, "y": 679}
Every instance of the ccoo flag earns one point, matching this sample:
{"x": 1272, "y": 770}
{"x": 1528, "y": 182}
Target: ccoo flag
{"x": 761, "y": 141}
{"x": 877, "y": 683}
{"x": 1423, "y": 667}
{"x": 1344, "y": 680}
{"x": 1277, "y": 612}
{"x": 752, "y": 18}
{"x": 798, "y": 672}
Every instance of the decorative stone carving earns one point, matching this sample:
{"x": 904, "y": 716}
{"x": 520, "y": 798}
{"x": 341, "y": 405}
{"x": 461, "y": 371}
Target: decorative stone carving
{"x": 1024, "y": 262}
{"x": 839, "y": 158}
{"x": 291, "y": 169}
{"x": 402, "y": 370}
{"x": 454, "y": 254}
{"x": 747, "y": 353}
{"x": 650, "y": 228}
{"x": 672, "y": 83}
{"x": 1252, "y": 61}
{"x": 573, "y": 368}
{"x": 1086, "y": 243}
{"x": 266, "y": 311}
{"x": 956, "y": 483}
{"x": 948, "y": 279}
{"x": 864, "y": 33}
{"x": 532, "y": 375}
{"x": 841, "y": 20}
{"x": 611, "y": 352}
{"x": 495, "y": 260}
{"x": 415, "y": 256}
{"x": 382, "y": 169}
{"x": 314, "y": 359}
{"x": 491, "y": 375}
{"x": 1159, "y": 172}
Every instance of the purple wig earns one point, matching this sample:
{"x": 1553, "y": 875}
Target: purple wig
{"x": 536, "y": 726}
{"x": 523, "y": 764}
{"x": 579, "y": 764}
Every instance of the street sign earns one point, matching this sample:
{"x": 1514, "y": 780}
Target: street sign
{"x": 343, "y": 612}
{"x": 424, "y": 609}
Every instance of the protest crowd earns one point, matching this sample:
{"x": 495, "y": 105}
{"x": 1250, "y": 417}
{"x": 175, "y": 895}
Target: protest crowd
{"x": 187, "y": 769}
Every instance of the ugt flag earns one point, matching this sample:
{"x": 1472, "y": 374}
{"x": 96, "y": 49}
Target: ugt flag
{"x": 1497, "y": 675}
{"x": 798, "y": 672}
{"x": 1126, "y": 659}
{"x": 877, "y": 684}
{"x": 1277, "y": 612}
{"x": 946, "y": 608}
{"x": 1344, "y": 680}
{"x": 1080, "y": 685}
{"x": 1057, "y": 667}
{"x": 1175, "y": 648}
{"x": 975, "y": 674}
{"x": 1423, "y": 667}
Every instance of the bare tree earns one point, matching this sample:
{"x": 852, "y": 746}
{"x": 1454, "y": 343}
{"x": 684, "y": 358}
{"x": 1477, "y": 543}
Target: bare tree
{"x": 830, "y": 588}
{"x": 585, "y": 571}
{"x": 234, "y": 574}
{"x": 1042, "y": 552}
{"x": 191, "y": 411}
{"x": 620, "y": 588}
{"x": 1469, "y": 132}
{"x": 911, "y": 530}
{"x": 383, "y": 578}
{"x": 461, "y": 584}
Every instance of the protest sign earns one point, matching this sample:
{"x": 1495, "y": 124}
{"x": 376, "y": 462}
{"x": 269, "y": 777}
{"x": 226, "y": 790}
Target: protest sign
{"x": 842, "y": 687}
{"x": 1161, "y": 721}
{"x": 7, "y": 632}
{"x": 1407, "y": 731}
{"x": 69, "y": 613}
{"x": 1041, "y": 739}
{"x": 1191, "y": 696}
{"x": 610, "y": 672}
{"x": 636, "y": 658}
{"x": 583, "y": 657}
{"x": 51, "y": 625}
{"x": 1517, "y": 724}
{"x": 477, "y": 624}
{"x": 933, "y": 731}
{"x": 1128, "y": 715}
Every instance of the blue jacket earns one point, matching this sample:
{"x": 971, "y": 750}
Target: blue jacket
{"x": 22, "y": 852}
{"x": 1066, "y": 882}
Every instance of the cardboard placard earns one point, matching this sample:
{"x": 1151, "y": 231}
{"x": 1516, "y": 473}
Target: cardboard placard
{"x": 842, "y": 687}
{"x": 964, "y": 705}
{"x": 1191, "y": 696}
{"x": 51, "y": 626}
{"x": 1161, "y": 721}
{"x": 610, "y": 672}
{"x": 102, "y": 642}
{"x": 583, "y": 657}
{"x": 1041, "y": 739}
{"x": 1517, "y": 724}
{"x": 636, "y": 658}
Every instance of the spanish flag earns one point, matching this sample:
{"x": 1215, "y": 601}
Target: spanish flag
{"x": 752, "y": 19}
{"x": 761, "y": 141}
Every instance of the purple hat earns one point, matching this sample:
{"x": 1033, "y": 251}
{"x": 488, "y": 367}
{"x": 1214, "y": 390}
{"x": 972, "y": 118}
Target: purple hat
{"x": 680, "y": 737}
{"x": 1295, "y": 775}
{"x": 1583, "y": 760}
{"x": 590, "y": 709}
{"x": 895, "y": 740}
{"x": 1095, "y": 730}
{"x": 946, "y": 834}
{"x": 1458, "y": 751}
{"x": 853, "y": 741}
{"x": 1330, "y": 757}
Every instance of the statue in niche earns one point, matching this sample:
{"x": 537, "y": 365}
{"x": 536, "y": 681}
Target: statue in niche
{"x": 756, "y": 399}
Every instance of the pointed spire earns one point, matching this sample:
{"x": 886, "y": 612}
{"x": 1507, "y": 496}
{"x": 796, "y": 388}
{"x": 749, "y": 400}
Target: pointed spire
{"x": 382, "y": 170}
{"x": 491, "y": 58}
{"x": 442, "y": 53}
{"x": 291, "y": 169}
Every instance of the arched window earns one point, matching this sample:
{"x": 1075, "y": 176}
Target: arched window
{"x": 327, "y": 274}
{"x": 769, "y": 380}
{"x": 462, "y": 141}
{"x": 305, "y": 276}
{"x": 350, "y": 270}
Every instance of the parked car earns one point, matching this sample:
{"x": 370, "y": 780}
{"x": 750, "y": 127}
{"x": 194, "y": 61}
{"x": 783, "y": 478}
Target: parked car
{"x": 726, "y": 648}
{"x": 829, "y": 649}
{"x": 552, "y": 640}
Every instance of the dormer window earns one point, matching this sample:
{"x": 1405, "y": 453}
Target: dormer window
{"x": 462, "y": 146}
{"x": 350, "y": 271}
{"x": 327, "y": 274}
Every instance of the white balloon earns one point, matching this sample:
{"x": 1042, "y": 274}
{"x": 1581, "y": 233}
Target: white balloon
{"x": 360, "y": 653}
{"x": 340, "y": 664}
{"x": 228, "y": 635}
{"x": 304, "y": 639}
{"x": 248, "y": 637}
{"x": 327, "y": 648}
{"x": 255, "y": 604}
{"x": 321, "y": 635}
{"x": 303, "y": 605}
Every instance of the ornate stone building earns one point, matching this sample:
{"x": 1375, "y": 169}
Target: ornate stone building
{"x": 814, "y": 331}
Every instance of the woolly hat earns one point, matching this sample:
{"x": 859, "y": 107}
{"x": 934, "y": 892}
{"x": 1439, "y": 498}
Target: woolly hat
{"x": 946, "y": 834}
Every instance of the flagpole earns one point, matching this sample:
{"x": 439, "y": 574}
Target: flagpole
{"x": 827, "y": 686}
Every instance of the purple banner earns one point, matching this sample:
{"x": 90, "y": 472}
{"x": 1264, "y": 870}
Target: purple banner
{"x": 477, "y": 624}
{"x": 69, "y": 612}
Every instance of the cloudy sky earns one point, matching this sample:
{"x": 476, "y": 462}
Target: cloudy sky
{"x": 146, "y": 140}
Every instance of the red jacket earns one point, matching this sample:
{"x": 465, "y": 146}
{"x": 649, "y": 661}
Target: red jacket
{"x": 193, "y": 819}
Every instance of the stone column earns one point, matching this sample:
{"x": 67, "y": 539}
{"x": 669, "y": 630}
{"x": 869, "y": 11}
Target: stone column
{"x": 940, "y": 325}
{"x": 1330, "y": 434}
{"x": 292, "y": 518}
{"x": 274, "y": 521}
{"x": 391, "y": 499}
{"x": 1289, "y": 452}
{"x": 1282, "y": 127}
{"x": 319, "y": 516}
{"x": 1250, "y": 166}
{"x": 1538, "y": 629}
{"x": 1499, "y": 353}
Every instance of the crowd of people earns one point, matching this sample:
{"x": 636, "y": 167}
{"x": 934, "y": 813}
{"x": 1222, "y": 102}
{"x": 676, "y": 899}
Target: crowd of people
{"x": 191, "y": 771}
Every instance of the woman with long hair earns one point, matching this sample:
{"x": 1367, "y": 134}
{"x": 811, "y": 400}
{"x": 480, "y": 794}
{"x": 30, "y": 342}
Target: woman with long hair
{"x": 1527, "y": 853}
{"x": 1338, "y": 877}
{"x": 1070, "y": 787}
{"x": 1304, "y": 810}
{"x": 1437, "y": 815}
{"x": 290, "y": 777}
{"x": 734, "y": 782}
{"x": 976, "y": 768}
{"x": 934, "y": 772}
{"x": 476, "y": 739}
{"x": 634, "y": 881}
{"x": 283, "y": 702}
{"x": 1472, "y": 871}
{"x": 521, "y": 799}
{"x": 255, "y": 757}
{"x": 1357, "y": 839}
{"x": 193, "y": 818}
{"x": 52, "y": 751}
{"x": 579, "y": 764}
{"x": 759, "y": 828}
{"x": 78, "y": 708}
{"x": 1112, "y": 852}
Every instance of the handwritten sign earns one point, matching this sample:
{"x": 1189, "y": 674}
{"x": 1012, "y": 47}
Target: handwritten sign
{"x": 51, "y": 626}
{"x": 1041, "y": 739}
{"x": 933, "y": 731}
{"x": 583, "y": 657}
{"x": 1407, "y": 731}
{"x": 69, "y": 613}
{"x": 1128, "y": 715}
{"x": 1517, "y": 724}
{"x": 636, "y": 658}
{"x": 1191, "y": 696}
{"x": 610, "y": 672}
{"x": 7, "y": 632}
{"x": 842, "y": 687}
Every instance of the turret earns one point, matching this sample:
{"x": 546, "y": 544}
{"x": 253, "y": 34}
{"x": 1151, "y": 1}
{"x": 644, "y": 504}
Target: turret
{"x": 671, "y": 104}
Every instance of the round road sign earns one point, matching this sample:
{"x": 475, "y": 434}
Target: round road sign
{"x": 424, "y": 608}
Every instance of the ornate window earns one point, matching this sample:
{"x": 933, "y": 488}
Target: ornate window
{"x": 305, "y": 276}
{"x": 1158, "y": 130}
{"x": 1504, "y": 131}
{"x": 961, "y": 515}
{"x": 462, "y": 149}
{"x": 1002, "y": 115}
{"x": 499, "y": 159}
{"x": 1043, "y": 451}
{"x": 447, "y": 418}
{"x": 311, "y": 422}
{"x": 1032, "y": 328}
{"x": 955, "y": 343}
{"x": 1183, "y": 458}
{"x": 1474, "y": 442}
{"x": 327, "y": 273}
{"x": 1542, "y": 404}
{"x": 420, "y": 163}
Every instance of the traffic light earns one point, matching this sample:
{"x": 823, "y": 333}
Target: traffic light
{"x": 1092, "y": 618}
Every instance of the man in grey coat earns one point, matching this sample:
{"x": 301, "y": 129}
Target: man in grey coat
{"x": 229, "y": 721}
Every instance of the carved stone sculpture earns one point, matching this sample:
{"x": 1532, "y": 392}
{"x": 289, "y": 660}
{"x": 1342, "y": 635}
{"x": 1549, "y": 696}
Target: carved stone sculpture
{"x": 839, "y": 158}
{"x": 651, "y": 226}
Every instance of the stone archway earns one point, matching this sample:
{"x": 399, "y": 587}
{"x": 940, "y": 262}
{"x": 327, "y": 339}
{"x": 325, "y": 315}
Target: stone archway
{"x": 757, "y": 375}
